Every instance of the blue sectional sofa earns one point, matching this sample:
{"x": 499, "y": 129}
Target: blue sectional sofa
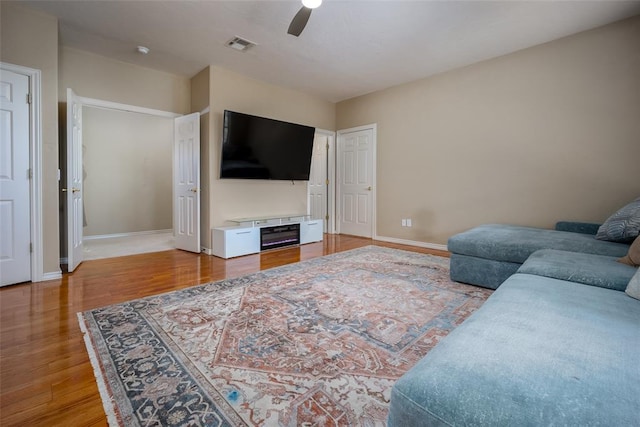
{"x": 558, "y": 343}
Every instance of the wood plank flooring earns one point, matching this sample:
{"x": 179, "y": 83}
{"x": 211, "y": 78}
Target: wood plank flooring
{"x": 46, "y": 378}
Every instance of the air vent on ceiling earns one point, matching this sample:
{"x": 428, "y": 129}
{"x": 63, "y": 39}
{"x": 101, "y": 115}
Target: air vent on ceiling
{"x": 240, "y": 44}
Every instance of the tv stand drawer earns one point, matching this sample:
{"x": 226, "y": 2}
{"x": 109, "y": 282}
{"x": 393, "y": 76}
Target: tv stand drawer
{"x": 311, "y": 231}
{"x": 233, "y": 242}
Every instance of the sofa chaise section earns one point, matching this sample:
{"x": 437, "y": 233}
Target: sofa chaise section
{"x": 488, "y": 254}
{"x": 540, "y": 351}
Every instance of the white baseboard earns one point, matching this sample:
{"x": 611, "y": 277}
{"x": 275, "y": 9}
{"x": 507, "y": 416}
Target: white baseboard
{"x": 52, "y": 275}
{"x": 427, "y": 245}
{"x": 134, "y": 233}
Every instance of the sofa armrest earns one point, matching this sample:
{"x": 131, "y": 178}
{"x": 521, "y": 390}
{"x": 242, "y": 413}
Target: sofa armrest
{"x": 578, "y": 227}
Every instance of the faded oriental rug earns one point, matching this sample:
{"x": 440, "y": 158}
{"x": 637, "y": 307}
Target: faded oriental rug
{"x": 317, "y": 343}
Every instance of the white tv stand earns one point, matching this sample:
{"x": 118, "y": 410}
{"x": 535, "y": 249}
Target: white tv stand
{"x": 256, "y": 234}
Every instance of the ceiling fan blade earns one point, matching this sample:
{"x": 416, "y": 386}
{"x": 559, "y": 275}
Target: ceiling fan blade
{"x": 299, "y": 21}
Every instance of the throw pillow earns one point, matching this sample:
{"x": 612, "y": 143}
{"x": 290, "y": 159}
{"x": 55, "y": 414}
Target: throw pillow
{"x": 623, "y": 226}
{"x": 632, "y": 257}
{"x": 633, "y": 288}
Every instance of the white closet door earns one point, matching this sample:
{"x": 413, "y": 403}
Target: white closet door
{"x": 356, "y": 151}
{"x": 15, "y": 227}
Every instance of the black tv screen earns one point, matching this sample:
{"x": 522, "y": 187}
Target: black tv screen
{"x": 259, "y": 148}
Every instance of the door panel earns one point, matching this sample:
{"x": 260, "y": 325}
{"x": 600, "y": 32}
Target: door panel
{"x": 364, "y": 174}
{"x": 348, "y": 208}
{"x": 74, "y": 188}
{"x": 15, "y": 227}
{"x": 186, "y": 210}
{"x": 348, "y": 166}
{"x": 363, "y": 211}
{"x": 356, "y": 163}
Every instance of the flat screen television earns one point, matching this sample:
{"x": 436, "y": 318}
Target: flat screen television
{"x": 259, "y": 148}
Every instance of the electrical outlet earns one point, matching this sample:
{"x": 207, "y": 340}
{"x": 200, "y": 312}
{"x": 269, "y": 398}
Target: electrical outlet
{"x": 404, "y": 222}
{"x": 408, "y": 222}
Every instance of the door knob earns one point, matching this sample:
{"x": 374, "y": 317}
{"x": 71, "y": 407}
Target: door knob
{"x": 75, "y": 190}
{"x": 194, "y": 190}
{"x": 369, "y": 188}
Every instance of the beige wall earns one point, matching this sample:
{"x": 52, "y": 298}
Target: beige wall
{"x": 199, "y": 102}
{"x": 243, "y": 198}
{"x": 98, "y": 77}
{"x": 127, "y": 161}
{"x": 30, "y": 38}
{"x": 200, "y": 90}
{"x": 544, "y": 134}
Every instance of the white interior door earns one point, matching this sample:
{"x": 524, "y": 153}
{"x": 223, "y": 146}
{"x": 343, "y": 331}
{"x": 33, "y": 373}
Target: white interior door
{"x": 356, "y": 175}
{"x": 15, "y": 227}
{"x": 186, "y": 182}
{"x": 75, "y": 211}
{"x": 318, "y": 180}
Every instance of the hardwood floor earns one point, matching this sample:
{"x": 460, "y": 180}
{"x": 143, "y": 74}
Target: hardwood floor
{"x": 46, "y": 378}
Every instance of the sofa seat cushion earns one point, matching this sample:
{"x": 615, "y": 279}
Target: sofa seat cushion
{"x": 514, "y": 243}
{"x": 540, "y": 351}
{"x": 588, "y": 269}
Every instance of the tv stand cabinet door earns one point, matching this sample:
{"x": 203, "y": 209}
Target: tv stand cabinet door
{"x": 311, "y": 231}
{"x": 233, "y": 242}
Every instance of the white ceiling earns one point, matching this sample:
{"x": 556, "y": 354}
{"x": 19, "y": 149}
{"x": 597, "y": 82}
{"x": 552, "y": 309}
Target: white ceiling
{"x": 348, "y": 48}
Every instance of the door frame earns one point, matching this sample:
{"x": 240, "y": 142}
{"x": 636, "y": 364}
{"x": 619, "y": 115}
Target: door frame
{"x": 117, "y": 106}
{"x": 35, "y": 165}
{"x": 331, "y": 176}
{"x": 374, "y": 143}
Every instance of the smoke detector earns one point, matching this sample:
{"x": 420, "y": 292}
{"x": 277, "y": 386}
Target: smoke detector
{"x": 143, "y": 50}
{"x": 240, "y": 44}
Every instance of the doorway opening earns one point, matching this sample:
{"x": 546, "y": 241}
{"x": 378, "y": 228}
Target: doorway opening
{"x": 123, "y": 166}
{"x": 127, "y": 182}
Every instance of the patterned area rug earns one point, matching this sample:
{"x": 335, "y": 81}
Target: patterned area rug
{"x": 317, "y": 343}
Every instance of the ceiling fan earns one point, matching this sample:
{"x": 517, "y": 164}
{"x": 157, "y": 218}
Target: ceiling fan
{"x": 302, "y": 17}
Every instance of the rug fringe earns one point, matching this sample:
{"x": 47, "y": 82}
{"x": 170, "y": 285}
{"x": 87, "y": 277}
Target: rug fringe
{"x": 107, "y": 400}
